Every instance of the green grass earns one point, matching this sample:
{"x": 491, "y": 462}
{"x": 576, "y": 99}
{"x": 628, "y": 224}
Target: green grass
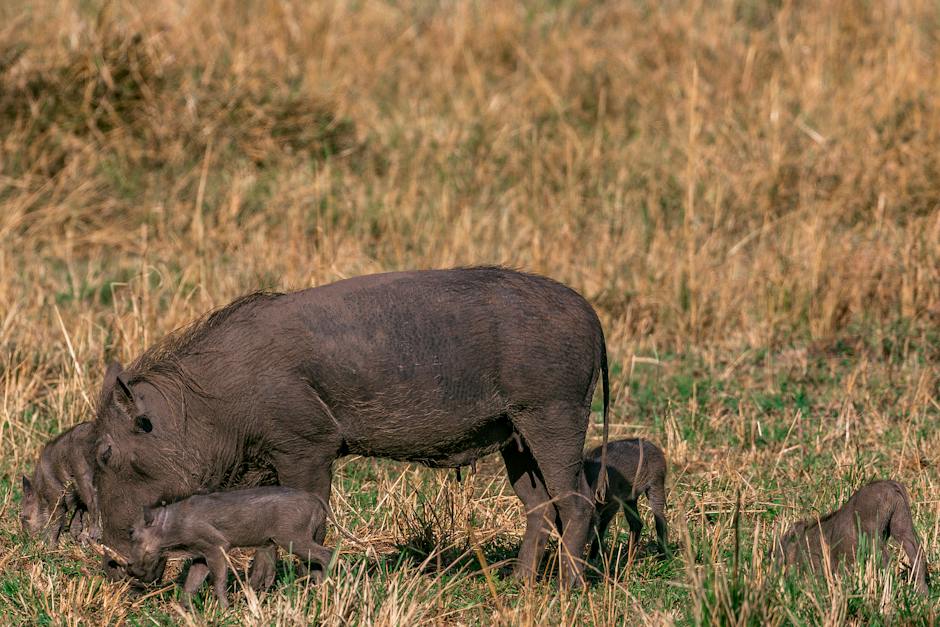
{"x": 753, "y": 435}
{"x": 745, "y": 191}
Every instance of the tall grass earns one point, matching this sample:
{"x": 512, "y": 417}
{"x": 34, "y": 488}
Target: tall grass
{"x": 746, "y": 191}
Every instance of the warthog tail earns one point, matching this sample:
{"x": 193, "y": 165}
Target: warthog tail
{"x": 600, "y": 491}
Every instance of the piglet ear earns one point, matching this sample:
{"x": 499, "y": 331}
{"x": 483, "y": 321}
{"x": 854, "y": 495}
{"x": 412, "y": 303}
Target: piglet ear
{"x": 154, "y": 517}
{"x": 27, "y": 487}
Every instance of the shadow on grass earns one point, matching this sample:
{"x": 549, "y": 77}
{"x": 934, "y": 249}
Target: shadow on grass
{"x": 499, "y": 554}
{"x": 422, "y": 554}
{"x": 616, "y": 563}
{"x": 459, "y": 555}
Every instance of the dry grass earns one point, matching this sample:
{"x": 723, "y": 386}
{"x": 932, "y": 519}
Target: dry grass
{"x": 747, "y": 191}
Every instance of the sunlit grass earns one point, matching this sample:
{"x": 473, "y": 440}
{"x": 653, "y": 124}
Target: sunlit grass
{"x": 746, "y": 191}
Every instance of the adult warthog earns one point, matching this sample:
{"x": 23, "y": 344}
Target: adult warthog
{"x": 439, "y": 367}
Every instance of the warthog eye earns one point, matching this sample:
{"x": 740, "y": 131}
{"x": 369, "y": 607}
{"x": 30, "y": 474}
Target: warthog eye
{"x": 143, "y": 424}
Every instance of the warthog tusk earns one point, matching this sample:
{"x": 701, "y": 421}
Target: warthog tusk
{"x": 106, "y": 551}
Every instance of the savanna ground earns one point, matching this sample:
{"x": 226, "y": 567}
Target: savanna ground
{"x": 746, "y": 191}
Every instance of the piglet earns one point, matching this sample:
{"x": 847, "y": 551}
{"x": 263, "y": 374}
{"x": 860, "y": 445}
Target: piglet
{"x": 62, "y": 486}
{"x": 880, "y": 510}
{"x": 206, "y": 526}
{"x": 634, "y": 467}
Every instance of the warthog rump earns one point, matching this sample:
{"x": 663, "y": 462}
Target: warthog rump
{"x": 439, "y": 367}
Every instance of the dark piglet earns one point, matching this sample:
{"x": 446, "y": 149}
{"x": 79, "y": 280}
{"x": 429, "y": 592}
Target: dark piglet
{"x": 634, "y": 467}
{"x": 62, "y": 487}
{"x": 879, "y": 511}
{"x": 439, "y": 367}
{"x": 206, "y": 526}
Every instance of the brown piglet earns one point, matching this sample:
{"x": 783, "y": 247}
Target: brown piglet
{"x": 634, "y": 467}
{"x": 62, "y": 486}
{"x": 206, "y": 526}
{"x": 878, "y": 511}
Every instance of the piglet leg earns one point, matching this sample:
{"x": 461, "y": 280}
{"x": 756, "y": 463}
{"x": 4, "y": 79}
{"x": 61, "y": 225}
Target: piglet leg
{"x": 634, "y": 522}
{"x": 198, "y": 571}
{"x": 218, "y": 566}
{"x": 601, "y": 522}
{"x": 902, "y": 530}
{"x": 309, "y": 553}
{"x": 656, "y": 494}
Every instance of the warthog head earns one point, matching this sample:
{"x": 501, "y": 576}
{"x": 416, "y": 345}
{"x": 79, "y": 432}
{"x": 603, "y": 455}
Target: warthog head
{"x": 144, "y": 456}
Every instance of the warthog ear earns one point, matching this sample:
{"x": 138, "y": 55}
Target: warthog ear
{"x": 110, "y": 378}
{"x": 123, "y": 387}
{"x": 27, "y": 487}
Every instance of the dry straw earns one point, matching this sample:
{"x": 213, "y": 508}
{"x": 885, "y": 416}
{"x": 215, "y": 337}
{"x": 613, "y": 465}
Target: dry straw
{"x": 752, "y": 186}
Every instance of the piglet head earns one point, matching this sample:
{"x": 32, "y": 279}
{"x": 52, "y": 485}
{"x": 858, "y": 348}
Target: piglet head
{"x": 147, "y": 542}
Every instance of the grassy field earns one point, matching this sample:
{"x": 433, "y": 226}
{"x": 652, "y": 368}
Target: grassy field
{"x": 748, "y": 192}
